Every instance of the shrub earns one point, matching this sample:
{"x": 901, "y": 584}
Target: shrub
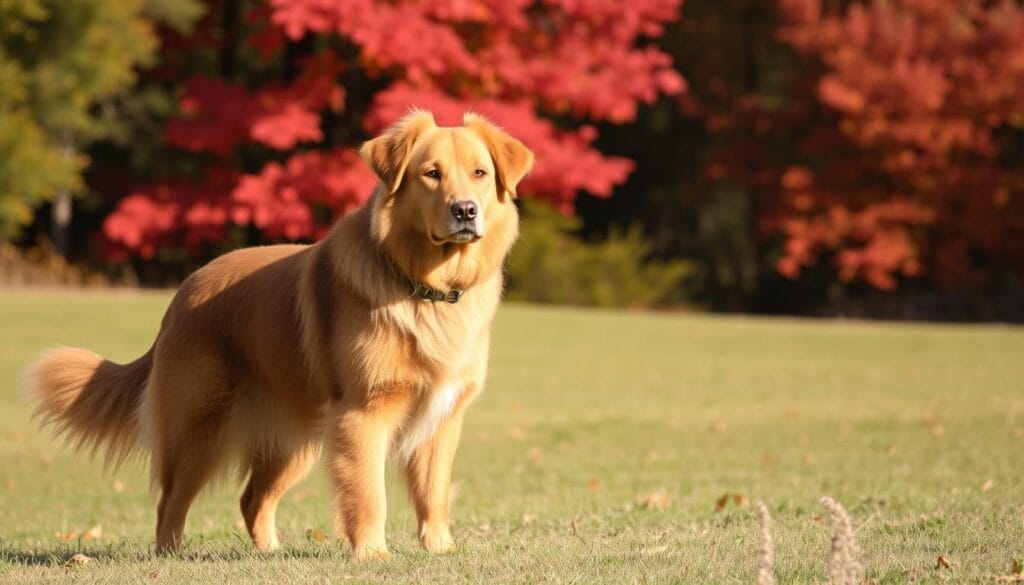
{"x": 550, "y": 264}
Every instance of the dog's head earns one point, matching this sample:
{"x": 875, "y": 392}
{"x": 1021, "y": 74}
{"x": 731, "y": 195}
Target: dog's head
{"x": 450, "y": 189}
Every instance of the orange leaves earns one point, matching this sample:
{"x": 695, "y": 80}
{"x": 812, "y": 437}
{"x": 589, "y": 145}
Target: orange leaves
{"x": 738, "y": 500}
{"x": 75, "y": 534}
{"x": 315, "y": 534}
{"x": 654, "y": 501}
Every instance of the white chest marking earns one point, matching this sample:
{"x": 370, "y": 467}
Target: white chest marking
{"x": 424, "y": 422}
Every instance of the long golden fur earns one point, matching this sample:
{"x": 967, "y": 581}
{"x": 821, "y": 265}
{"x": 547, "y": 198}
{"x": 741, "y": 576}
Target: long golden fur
{"x": 268, "y": 355}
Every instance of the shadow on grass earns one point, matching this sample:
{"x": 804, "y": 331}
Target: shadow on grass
{"x": 127, "y": 551}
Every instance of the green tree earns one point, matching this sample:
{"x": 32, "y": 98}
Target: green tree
{"x": 63, "y": 66}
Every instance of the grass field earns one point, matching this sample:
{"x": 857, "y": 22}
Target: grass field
{"x": 917, "y": 429}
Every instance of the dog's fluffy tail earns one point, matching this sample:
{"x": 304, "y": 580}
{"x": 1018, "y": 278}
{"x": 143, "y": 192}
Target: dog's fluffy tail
{"x": 92, "y": 402}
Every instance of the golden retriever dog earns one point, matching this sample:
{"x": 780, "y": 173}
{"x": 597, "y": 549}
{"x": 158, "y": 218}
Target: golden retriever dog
{"x": 368, "y": 343}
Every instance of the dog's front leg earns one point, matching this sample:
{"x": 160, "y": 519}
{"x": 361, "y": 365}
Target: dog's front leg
{"x": 428, "y": 476}
{"x": 358, "y": 445}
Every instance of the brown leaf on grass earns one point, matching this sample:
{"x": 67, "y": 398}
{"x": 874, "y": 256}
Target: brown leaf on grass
{"x": 78, "y": 560}
{"x": 988, "y": 485}
{"x": 117, "y": 486}
{"x": 739, "y": 500}
{"x": 154, "y": 574}
{"x": 517, "y": 432}
{"x": 807, "y": 460}
{"x": 94, "y": 532}
{"x": 68, "y": 534}
{"x": 1018, "y": 433}
{"x": 654, "y": 501}
{"x": 316, "y": 534}
{"x": 721, "y": 502}
{"x": 928, "y": 418}
{"x": 943, "y": 563}
{"x": 766, "y": 460}
{"x": 890, "y": 449}
{"x": 9, "y": 485}
{"x": 719, "y": 426}
{"x": 593, "y": 485}
{"x": 937, "y": 430}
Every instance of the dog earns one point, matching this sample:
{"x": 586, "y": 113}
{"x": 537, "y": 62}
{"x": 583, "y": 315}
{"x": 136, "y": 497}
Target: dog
{"x": 369, "y": 343}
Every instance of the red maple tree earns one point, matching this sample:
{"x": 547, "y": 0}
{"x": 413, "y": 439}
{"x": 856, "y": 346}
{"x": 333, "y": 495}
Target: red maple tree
{"x": 271, "y": 141}
{"x": 906, "y": 171}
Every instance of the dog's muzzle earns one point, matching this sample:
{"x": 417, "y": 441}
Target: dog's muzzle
{"x": 462, "y": 231}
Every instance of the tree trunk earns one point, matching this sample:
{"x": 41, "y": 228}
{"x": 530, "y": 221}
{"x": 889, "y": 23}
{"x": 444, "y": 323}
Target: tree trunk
{"x": 60, "y": 213}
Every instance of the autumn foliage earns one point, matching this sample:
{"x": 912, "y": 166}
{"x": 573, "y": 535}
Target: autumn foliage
{"x": 275, "y": 144}
{"x": 906, "y": 171}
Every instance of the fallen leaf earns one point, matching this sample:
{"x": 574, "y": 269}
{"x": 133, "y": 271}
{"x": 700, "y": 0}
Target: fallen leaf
{"x": 315, "y": 534}
{"x": 8, "y": 485}
{"x": 593, "y": 485}
{"x": 117, "y": 486}
{"x": 740, "y": 500}
{"x": 78, "y": 560}
{"x": 154, "y": 574}
{"x": 94, "y": 532}
{"x": 890, "y": 449}
{"x": 988, "y": 485}
{"x": 791, "y": 412}
{"x": 928, "y": 418}
{"x": 804, "y": 440}
{"x": 518, "y": 433}
{"x": 808, "y": 460}
{"x": 844, "y": 430}
{"x": 527, "y": 519}
{"x": 719, "y": 426}
{"x": 68, "y": 535}
{"x": 943, "y": 563}
{"x": 654, "y": 501}
{"x": 767, "y": 460}
{"x": 938, "y": 430}
{"x": 721, "y": 502}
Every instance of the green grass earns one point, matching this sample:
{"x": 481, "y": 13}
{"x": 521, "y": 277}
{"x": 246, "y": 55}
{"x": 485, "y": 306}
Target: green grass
{"x": 584, "y": 413}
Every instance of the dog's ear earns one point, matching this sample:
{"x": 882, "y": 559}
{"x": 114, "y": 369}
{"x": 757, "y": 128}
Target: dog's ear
{"x": 512, "y": 160}
{"x": 388, "y": 154}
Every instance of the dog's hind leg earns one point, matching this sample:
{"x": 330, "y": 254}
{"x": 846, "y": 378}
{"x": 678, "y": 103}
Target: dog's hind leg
{"x": 273, "y": 474}
{"x": 190, "y": 413}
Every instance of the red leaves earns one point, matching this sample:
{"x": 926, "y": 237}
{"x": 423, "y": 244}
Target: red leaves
{"x": 505, "y": 58}
{"x": 914, "y": 95}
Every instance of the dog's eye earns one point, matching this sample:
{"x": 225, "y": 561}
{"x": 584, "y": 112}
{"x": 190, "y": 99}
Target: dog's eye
{"x": 480, "y": 173}
{"x": 433, "y": 174}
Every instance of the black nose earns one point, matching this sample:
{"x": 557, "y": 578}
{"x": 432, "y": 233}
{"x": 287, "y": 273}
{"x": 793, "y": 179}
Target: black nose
{"x": 463, "y": 210}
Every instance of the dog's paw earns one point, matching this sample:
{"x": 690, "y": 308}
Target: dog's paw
{"x": 437, "y": 539}
{"x": 370, "y": 553}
